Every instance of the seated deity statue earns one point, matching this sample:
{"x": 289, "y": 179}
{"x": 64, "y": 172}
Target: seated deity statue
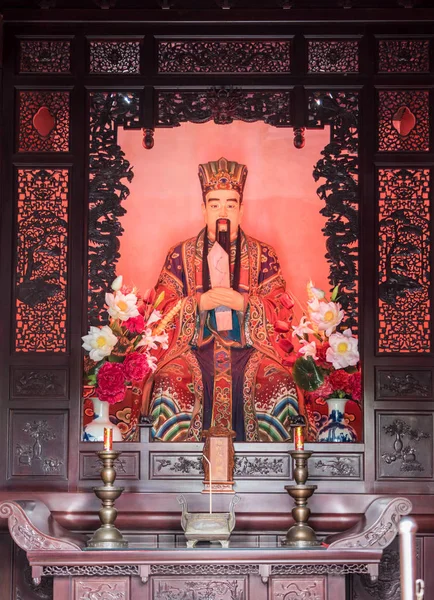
{"x": 236, "y": 378}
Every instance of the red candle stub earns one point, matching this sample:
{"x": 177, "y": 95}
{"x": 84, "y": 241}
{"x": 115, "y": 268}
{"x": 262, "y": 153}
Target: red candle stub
{"x": 108, "y": 438}
{"x": 299, "y": 438}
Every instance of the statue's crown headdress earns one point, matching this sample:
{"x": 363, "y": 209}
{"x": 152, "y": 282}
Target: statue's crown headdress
{"x": 222, "y": 174}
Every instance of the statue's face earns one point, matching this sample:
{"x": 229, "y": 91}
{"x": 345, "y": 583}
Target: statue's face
{"x": 222, "y": 204}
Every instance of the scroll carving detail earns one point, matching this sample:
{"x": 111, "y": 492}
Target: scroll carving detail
{"x": 339, "y": 168}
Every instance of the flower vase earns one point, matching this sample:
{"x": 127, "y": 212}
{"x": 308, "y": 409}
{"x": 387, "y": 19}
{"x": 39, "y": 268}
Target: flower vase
{"x": 335, "y": 429}
{"x": 94, "y": 431}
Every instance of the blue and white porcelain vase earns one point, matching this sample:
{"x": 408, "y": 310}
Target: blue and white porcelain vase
{"x": 94, "y": 431}
{"x": 335, "y": 429}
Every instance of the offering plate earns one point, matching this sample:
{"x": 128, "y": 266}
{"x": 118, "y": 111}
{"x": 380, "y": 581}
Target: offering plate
{"x": 207, "y": 527}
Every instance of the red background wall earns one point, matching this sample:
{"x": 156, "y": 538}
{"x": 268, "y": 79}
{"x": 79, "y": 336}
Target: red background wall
{"x": 281, "y": 203}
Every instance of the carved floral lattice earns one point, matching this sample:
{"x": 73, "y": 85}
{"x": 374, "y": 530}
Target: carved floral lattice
{"x": 114, "y": 57}
{"x": 223, "y": 106}
{"x": 390, "y": 102}
{"x": 41, "y": 270}
{"x": 404, "y": 261}
{"x": 192, "y": 56}
{"x": 333, "y": 56}
{"x": 403, "y": 56}
{"x": 339, "y": 168}
{"x": 32, "y": 138}
{"x": 108, "y": 173}
{"x": 45, "y": 56}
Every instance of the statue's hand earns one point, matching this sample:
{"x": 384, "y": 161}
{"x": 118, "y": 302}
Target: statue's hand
{"x": 219, "y": 296}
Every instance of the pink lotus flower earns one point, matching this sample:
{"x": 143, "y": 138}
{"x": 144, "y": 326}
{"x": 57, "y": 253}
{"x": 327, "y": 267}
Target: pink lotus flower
{"x": 325, "y": 315}
{"x": 343, "y": 350}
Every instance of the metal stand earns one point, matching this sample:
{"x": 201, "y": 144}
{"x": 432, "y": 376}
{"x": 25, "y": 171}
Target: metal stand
{"x": 108, "y": 536}
{"x": 300, "y": 535}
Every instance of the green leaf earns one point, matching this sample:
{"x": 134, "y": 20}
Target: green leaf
{"x": 334, "y": 293}
{"x": 307, "y": 375}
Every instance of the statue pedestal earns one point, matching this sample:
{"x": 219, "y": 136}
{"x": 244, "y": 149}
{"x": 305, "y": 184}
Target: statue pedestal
{"x": 219, "y": 450}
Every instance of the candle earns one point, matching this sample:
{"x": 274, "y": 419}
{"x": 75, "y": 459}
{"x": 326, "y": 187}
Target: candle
{"x": 108, "y": 438}
{"x": 210, "y": 484}
{"x": 299, "y": 438}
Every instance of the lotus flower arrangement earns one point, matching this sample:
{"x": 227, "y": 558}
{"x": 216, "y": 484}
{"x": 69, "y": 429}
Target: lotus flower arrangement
{"x": 326, "y": 365}
{"x": 123, "y": 351}
{"x": 327, "y": 361}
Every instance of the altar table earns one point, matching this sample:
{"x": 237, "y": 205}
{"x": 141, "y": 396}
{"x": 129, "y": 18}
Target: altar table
{"x": 244, "y": 571}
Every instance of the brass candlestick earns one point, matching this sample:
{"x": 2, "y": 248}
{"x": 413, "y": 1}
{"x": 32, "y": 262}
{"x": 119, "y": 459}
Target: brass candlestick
{"x": 108, "y": 536}
{"x": 301, "y": 534}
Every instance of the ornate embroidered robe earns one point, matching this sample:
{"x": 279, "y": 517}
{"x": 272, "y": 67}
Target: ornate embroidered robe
{"x": 234, "y": 379}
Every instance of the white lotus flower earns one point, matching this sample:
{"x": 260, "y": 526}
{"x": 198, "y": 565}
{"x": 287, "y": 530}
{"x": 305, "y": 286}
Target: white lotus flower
{"x": 122, "y": 306}
{"x": 302, "y": 328}
{"x": 325, "y": 315}
{"x": 308, "y": 349}
{"x": 117, "y": 283}
{"x": 99, "y": 342}
{"x": 343, "y": 350}
{"x": 150, "y": 341}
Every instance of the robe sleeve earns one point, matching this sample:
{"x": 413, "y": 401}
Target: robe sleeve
{"x": 269, "y": 304}
{"x": 182, "y": 325}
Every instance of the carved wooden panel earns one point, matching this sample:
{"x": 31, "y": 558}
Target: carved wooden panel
{"x": 403, "y": 384}
{"x": 42, "y": 260}
{"x": 45, "y": 56}
{"x": 199, "y": 588}
{"x": 38, "y": 443}
{"x": 114, "y": 56}
{"x": 387, "y": 586}
{"x": 328, "y": 56}
{"x": 127, "y": 465}
{"x": 404, "y": 445}
{"x": 39, "y": 383}
{"x": 101, "y": 588}
{"x": 392, "y": 137}
{"x": 404, "y": 263}
{"x": 403, "y": 56}
{"x": 43, "y": 121}
{"x": 297, "y": 588}
{"x": 210, "y": 56}
{"x": 247, "y": 466}
{"x": 336, "y": 466}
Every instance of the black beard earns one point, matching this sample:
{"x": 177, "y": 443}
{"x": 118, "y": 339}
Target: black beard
{"x": 223, "y": 234}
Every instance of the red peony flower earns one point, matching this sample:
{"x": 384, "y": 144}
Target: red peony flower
{"x": 339, "y": 381}
{"x": 136, "y": 366}
{"x": 135, "y": 324}
{"x": 355, "y": 386}
{"x": 321, "y": 351}
{"x": 281, "y": 326}
{"x": 286, "y": 301}
{"x": 286, "y": 345}
{"x": 111, "y": 398}
{"x": 324, "y": 391}
{"x": 111, "y": 383}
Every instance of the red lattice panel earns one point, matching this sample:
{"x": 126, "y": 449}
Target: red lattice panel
{"x": 389, "y": 103}
{"x": 404, "y": 323}
{"x": 41, "y": 269}
{"x": 55, "y": 108}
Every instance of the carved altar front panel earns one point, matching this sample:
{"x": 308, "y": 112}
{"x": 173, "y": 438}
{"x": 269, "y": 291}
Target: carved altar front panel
{"x": 297, "y": 588}
{"x": 108, "y": 588}
{"x": 199, "y": 588}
